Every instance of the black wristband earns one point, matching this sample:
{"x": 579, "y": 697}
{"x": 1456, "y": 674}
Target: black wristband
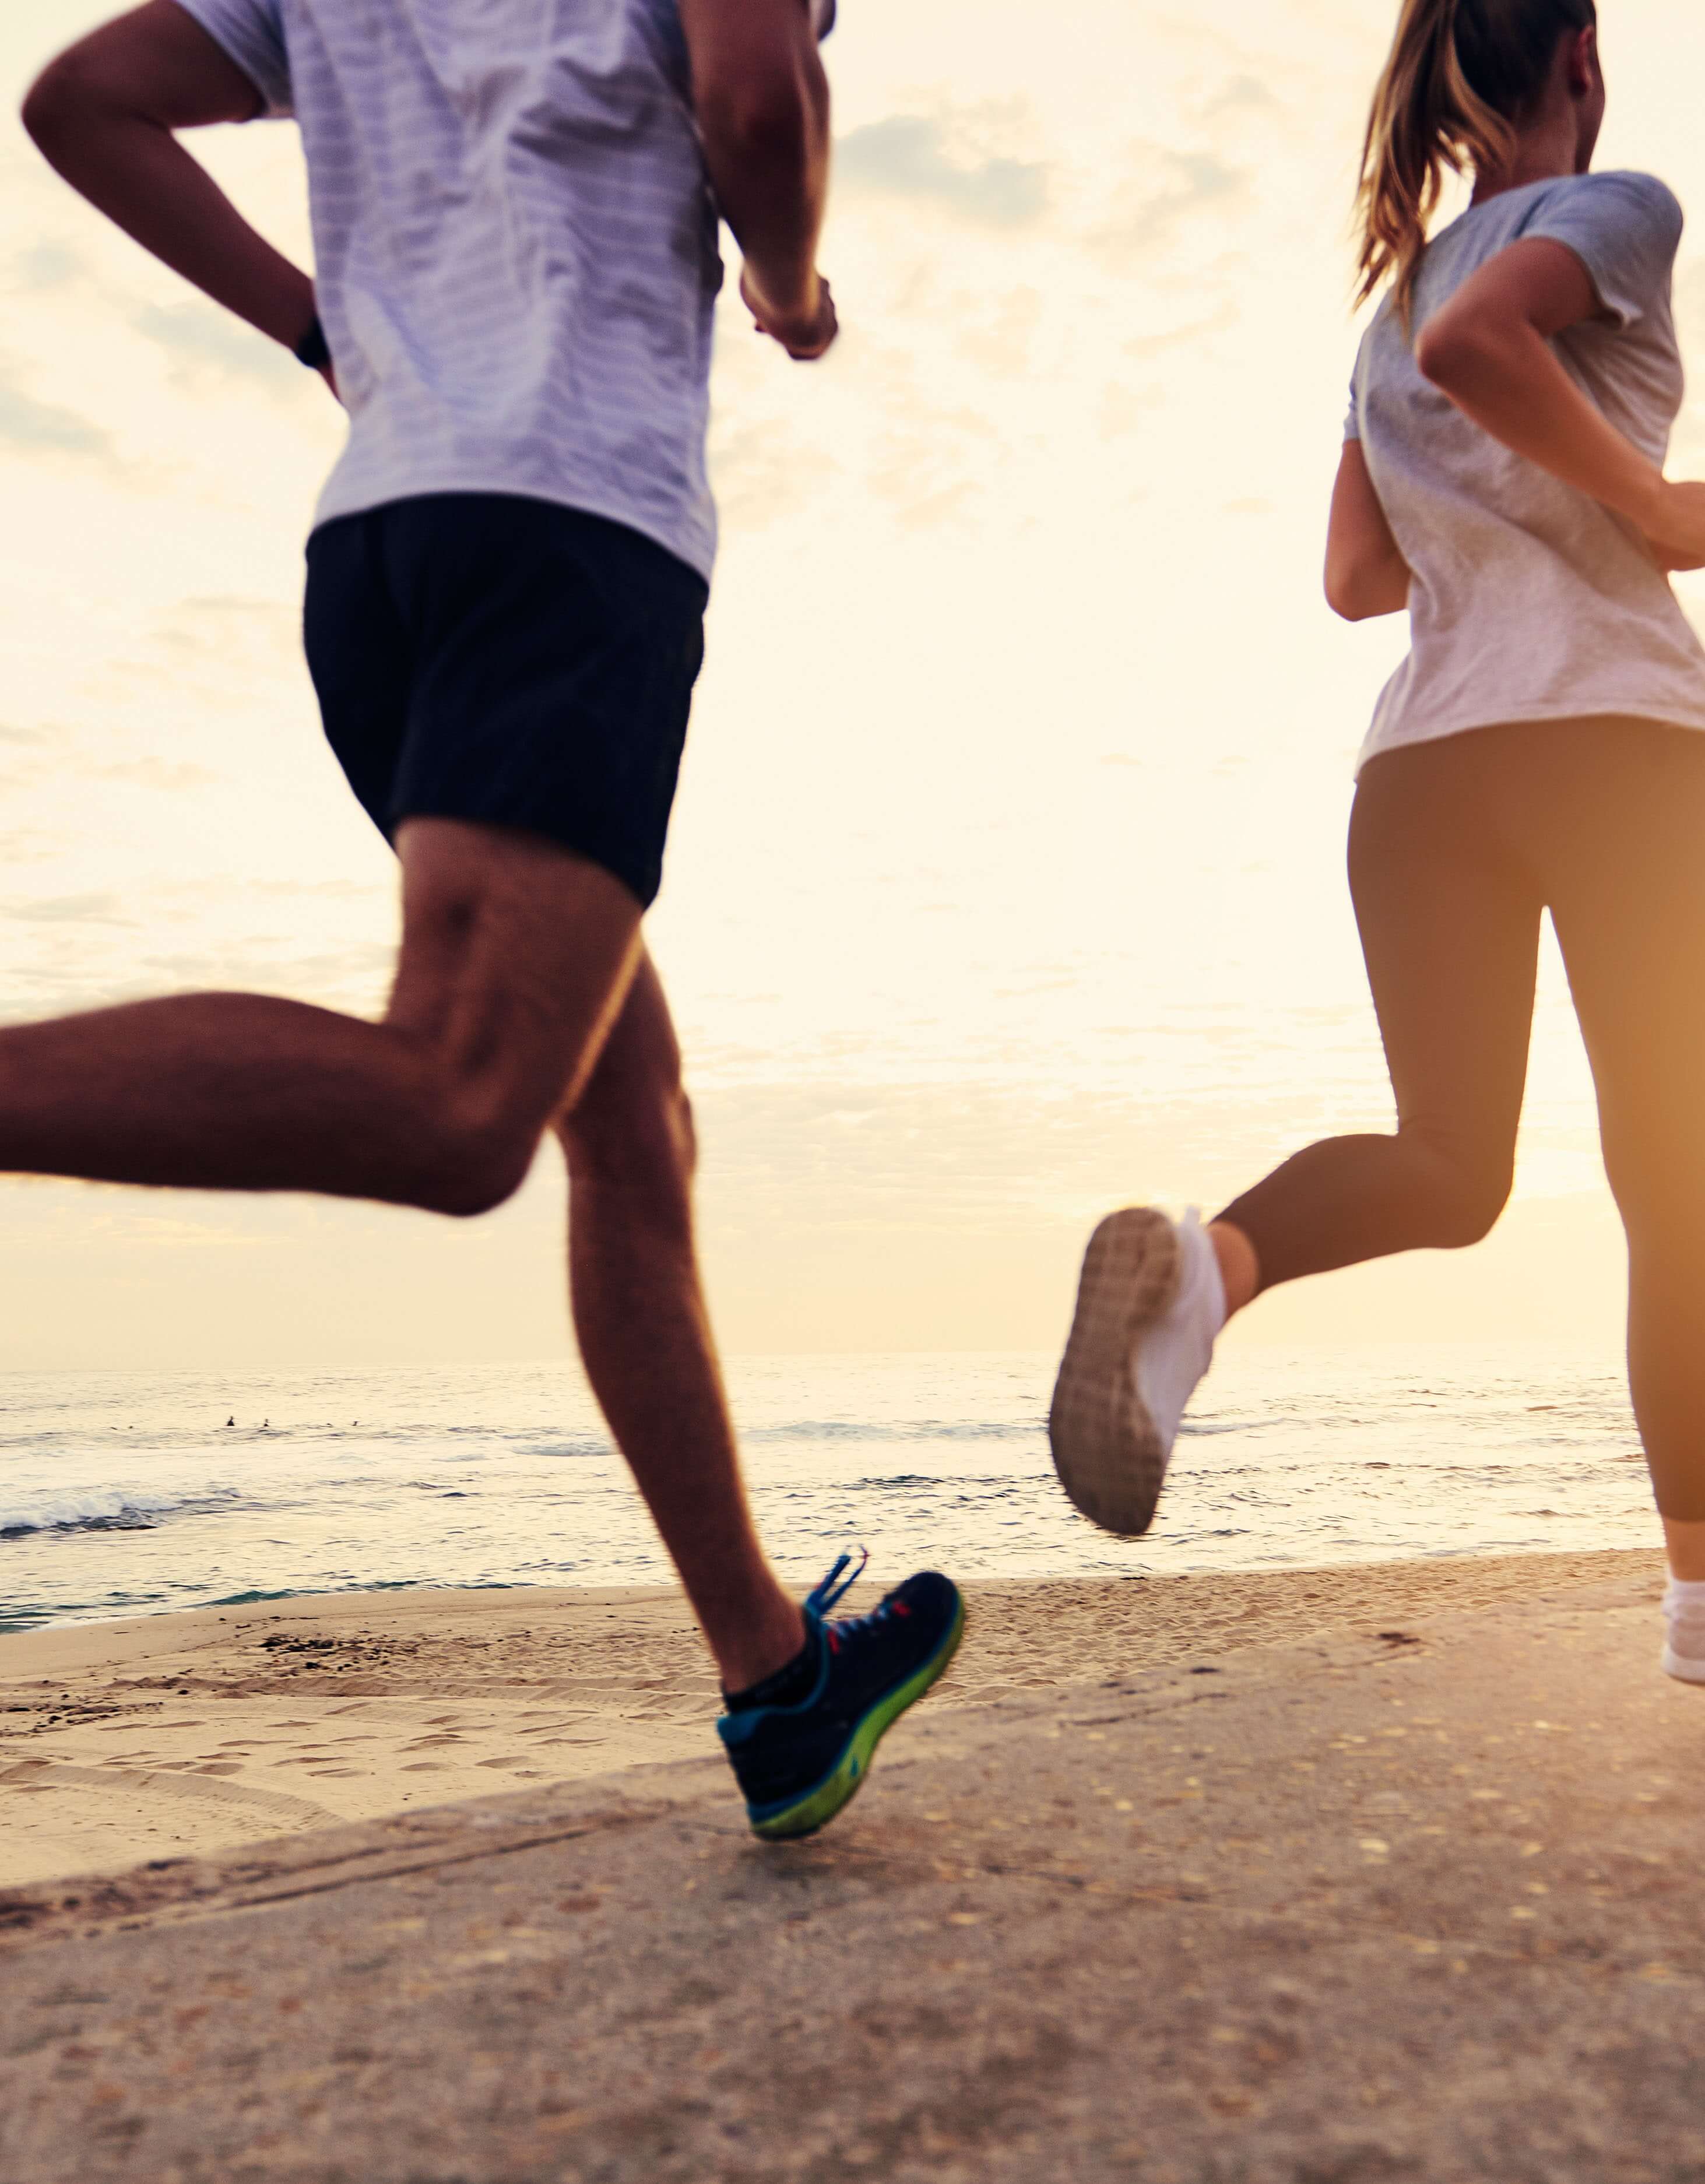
{"x": 313, "y": 350}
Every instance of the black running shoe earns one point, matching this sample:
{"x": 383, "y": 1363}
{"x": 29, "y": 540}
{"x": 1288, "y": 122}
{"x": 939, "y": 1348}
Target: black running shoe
{"x": 798, "y": 1765}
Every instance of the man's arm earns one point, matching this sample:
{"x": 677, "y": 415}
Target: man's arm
{"x": 762, "y": 102}
{"x": 1489, "y": 348}
{"x": 1366, "y": 573}
{"x": 104, "y": 114}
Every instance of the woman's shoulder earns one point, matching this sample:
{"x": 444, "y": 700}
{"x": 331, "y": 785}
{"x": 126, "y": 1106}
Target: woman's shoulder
{"x": 1617, "y": 193}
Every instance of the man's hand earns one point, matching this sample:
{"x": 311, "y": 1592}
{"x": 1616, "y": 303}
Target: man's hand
{"x": 805, "y": 332}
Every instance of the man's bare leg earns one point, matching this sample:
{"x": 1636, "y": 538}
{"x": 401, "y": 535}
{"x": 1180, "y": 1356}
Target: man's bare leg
{"x": 645, "y": 1334}
{"x": 516, "y": 960}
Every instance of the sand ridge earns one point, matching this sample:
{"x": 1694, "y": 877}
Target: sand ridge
{"x": 182, "y": 1733}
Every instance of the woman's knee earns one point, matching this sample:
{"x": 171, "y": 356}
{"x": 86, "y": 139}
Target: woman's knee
{"x": 1464, "y": 1195}
{"x": 1652, "y": 1164}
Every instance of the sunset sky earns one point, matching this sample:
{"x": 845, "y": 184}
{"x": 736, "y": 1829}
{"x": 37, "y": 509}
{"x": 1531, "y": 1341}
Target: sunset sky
{"x": 1007, "y": 878}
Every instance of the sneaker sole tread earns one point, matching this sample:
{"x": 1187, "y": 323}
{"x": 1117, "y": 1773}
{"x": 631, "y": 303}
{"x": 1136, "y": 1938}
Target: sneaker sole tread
{"x": 1106, "y": 1448}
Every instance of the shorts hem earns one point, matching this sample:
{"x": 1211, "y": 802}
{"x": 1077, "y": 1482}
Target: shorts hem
{"x": 643, "y": 881}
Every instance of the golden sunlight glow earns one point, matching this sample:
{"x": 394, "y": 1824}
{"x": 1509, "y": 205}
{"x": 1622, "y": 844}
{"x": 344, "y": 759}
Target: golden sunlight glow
{"x": 1006, "y": 880}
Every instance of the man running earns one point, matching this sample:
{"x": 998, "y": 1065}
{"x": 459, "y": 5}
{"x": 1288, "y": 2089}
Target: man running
{"x": 516, "y": 216}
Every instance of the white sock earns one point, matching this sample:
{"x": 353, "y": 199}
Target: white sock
{"x": 1683, "y": 1600}
{"x": 1176, "y": 1351}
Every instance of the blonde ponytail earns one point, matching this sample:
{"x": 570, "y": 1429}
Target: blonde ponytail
{"x": 1460, "y": 74}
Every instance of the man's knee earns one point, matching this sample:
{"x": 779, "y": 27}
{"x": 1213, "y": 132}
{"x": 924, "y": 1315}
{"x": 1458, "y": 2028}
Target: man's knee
{"x": 473, "y": 1135}
{"x": 477, "y": 1156}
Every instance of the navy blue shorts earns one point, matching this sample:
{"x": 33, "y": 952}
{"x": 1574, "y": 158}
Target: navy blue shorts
{"x": 488, "y": 657}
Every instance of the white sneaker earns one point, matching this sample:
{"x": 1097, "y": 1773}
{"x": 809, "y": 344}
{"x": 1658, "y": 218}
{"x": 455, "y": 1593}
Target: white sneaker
{"x": 1150, "y": 1304}
{"x": 1684, "y": 1644}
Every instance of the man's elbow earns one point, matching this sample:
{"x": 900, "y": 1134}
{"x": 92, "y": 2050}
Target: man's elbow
{"x": 61, "y": 99}
{"x": 766, "y": 114}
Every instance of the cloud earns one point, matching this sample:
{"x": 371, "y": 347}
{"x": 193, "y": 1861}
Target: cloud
{"x": 1219, "y": 321}
{"x": 200, "y": 336}
{"x": 68, "y": 909}
{"x": 46, "y": 265}
{"x": 907, "y": 156}
{"x": 1244, "y": 91}
{"x": 1122, "y": 408}
{"x": 1163, "y": 189}
{"x": 150, "y": 772}
{"x": 997, "y": 331}
{"x": 36, "y": 427}
{"x": 933, "y": 467}
{"x": 763, "y": 469}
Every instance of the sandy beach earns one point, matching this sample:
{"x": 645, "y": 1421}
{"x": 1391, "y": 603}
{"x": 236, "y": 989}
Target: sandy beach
{"x": 1386, "y": 1875}
{"x": 185, "y": 1735}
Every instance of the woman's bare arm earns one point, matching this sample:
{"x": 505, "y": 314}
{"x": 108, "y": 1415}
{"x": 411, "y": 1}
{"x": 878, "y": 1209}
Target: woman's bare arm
{"x": 1489, "y": 348}
{"x": 105, "y": 115}
{"x": 1366, "y": 575}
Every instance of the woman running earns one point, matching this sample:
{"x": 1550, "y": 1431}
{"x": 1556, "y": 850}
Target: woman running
{"x": 1540, "y": 748}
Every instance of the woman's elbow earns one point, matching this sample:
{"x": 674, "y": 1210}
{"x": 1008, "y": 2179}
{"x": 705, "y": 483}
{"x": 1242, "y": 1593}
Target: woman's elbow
{"x": 1365, "y": 594}
{"x": 1347, "y": 598}
{"x": 1449, "y": 353}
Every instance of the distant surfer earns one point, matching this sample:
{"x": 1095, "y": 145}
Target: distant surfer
{"x": 516, "y": 232}
{"x": 1540, "y": 750}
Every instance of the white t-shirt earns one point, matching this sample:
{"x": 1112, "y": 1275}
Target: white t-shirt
{"x": 516, "y": 246}
{"x": 1531, "y": 601}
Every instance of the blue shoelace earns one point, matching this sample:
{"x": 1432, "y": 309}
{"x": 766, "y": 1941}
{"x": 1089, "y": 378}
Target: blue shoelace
{"x": 823, "y": 1597}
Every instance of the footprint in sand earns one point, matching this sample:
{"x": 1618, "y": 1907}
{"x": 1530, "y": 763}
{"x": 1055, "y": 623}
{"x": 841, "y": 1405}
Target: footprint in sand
{"x": 138, "y": 1789}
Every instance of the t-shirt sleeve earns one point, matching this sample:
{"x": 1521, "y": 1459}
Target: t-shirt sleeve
{"x": 251, "y": 33}
{"x": 823, "y": 17}
{"x": 1625, "y": 229}
{"x": 1352, "y": 423}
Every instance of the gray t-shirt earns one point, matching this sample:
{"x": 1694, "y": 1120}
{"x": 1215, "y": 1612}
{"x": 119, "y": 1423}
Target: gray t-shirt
{"x": 1530, "y": 601}
{"x": 516, "y": 246}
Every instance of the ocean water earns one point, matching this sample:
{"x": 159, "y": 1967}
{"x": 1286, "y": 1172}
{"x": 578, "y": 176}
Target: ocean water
{"x": 127, "y": 1493}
